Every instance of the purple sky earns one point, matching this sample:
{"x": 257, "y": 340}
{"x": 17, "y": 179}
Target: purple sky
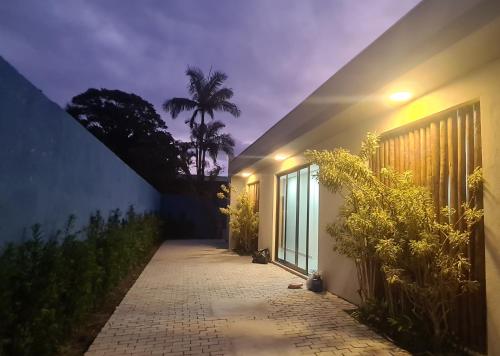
{"x": 276, "y": 52}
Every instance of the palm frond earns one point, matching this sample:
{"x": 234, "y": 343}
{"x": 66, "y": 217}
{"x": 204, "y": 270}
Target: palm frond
{"x": 175, "y": 106}
{"x": 214, "y": 81}
{"x": 221, "y": 95}
{"x": 216, "y": 142}
{"x": 227, "y": 144}
{"x": 197, "y": 81}
{"x": 210, "y": 112}
{"x": 228, "y": 107}
{"x": 214, "y": 127}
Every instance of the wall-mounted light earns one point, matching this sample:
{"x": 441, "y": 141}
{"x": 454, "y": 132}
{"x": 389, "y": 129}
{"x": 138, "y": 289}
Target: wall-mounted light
{"x": 245, "y": 174}
{"x": 401, "y": 96}
{"x": 280, "y": 157}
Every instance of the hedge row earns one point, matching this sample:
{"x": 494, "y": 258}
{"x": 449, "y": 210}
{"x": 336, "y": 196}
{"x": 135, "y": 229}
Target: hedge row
{"x": 49, "y": 284}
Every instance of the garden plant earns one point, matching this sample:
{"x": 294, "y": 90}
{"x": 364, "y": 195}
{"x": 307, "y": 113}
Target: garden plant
{"x": 243, "y": 219}
{"x": 410, "y": 257}
{"x": 49, "y": 284}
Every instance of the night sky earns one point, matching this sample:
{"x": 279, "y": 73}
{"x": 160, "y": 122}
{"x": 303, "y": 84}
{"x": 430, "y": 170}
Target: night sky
{"x": 276, "y": 52}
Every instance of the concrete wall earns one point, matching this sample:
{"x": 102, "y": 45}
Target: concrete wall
{"x": 202, "y": 216}
{"x": 50, "y": 166}
{"x": 482, "y": 84}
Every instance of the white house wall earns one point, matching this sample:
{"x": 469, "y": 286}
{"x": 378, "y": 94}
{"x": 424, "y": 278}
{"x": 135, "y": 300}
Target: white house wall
{"x": 340, "y": 276}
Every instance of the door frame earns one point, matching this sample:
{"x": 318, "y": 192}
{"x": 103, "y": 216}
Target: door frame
{"x": 283, "y": 261}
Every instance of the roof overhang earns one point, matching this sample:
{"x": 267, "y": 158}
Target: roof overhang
{"x": 413, "y": 42}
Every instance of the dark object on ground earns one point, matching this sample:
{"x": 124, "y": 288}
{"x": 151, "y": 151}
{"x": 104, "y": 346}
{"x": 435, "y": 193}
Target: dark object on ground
{"x": 261, "y": 256}
{"x": 315, "y": 283}
{"x": 295, "y": 286}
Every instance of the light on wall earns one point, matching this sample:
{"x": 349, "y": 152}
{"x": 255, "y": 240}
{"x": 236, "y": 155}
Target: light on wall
{"x": 401, "y": 96}
{"x": 245, "y": 174}
{"x": 280, "y": 157}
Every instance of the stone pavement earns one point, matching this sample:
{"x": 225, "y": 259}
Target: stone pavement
{"x": 195, "y": 298}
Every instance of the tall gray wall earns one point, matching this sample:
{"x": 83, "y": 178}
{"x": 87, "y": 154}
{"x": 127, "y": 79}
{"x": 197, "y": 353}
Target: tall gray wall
{"x": 51, "y": 167}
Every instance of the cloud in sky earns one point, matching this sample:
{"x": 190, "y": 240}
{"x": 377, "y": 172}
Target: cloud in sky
{"x": 276, "y": 52}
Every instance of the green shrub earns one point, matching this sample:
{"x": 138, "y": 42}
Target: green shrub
{"x": 243, "y": 219}
{"x": 49, "y": 284}
{"x": 391, "y": 228}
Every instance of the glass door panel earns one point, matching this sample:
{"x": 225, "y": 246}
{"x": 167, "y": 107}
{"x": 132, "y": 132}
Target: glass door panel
{"x": 302, "y": 232}
{"x": 313, "y": 220}
{"x": 291, "y": 218}
{"x": 281, "y": 217}
{"x": 297, "y": 219}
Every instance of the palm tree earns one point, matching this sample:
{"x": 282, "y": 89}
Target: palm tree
{"x": 214, "y": 141}
{"x": 206, "y": 97}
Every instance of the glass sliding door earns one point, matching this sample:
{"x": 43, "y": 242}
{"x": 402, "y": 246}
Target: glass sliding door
{"x": 291, "y": 218}
{"x": 281, "y": 218}
{"x": 297, "y": 219}
{"x": 302, "y": 232}
{"x": 313, "y": 219}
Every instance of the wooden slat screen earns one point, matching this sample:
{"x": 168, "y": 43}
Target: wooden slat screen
{"x": 441, "y": 151}
{"x": 254, "y": 192}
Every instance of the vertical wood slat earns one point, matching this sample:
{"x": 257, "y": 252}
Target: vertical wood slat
{"x": 478, "y": 160}
{"x": 435, "y": 137}
{"x": 479, "y": 258}
{"x": 386, "y": 158}
{"x": 416, "y": 157}
{"x": 469, "y": 151}
{"x": 423, "y": 160}
{"x": 406, "y": 148}
{"x": 464, "y": 306}
{"x": 457, "y": 320}
{"x": 391, "y": 153}
{"x": 386, "y": 153}
{"x": 461, "y": 164}
{"x": 397, "y": 156}
{"x": 443, "y": 165}
{"x": 411, "y": 152}
{"x": 469, "y": 139}
{"x": 469, "y": 167}
{"x": 382, "y": 158}
{"x": 402, "y": 153}
{"x": 452, "y": 166}
{"x": 428, "y": 156}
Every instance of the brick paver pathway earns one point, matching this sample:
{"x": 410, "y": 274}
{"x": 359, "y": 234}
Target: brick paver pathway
{"x": 196, "y": 299}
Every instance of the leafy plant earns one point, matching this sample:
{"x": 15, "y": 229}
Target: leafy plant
{"x": 243, "y": 219}
{"x": 50, "y": 283}
{"x": 390, "y": 227}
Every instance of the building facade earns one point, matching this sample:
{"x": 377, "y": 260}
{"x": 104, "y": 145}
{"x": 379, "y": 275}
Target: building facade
{"x": 431, "y": 81}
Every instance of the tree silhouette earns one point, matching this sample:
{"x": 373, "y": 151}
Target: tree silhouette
{"x": 214, "y": 141}
{"x": 133, "y": 130}
{"x": 207, "y": 96}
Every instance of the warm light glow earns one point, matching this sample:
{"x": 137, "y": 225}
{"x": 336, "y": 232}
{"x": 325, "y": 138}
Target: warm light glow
{"x": 400, "y": 96}
{"x": 280, "y": 157}
{"x": 245, "y": 174}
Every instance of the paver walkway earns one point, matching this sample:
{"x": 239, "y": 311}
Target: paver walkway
{"x": 196, "y": 299}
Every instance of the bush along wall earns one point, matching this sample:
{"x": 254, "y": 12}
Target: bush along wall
{"x": 50, "y": 283}
{"x": 410, "y": 253}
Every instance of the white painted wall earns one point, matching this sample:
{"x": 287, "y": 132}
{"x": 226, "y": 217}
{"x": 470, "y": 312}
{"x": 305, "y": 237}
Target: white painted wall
{"x": 340, "y": 276}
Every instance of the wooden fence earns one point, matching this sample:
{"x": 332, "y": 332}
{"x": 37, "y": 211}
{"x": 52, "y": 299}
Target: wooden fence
{"x": 442, "y": 151}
